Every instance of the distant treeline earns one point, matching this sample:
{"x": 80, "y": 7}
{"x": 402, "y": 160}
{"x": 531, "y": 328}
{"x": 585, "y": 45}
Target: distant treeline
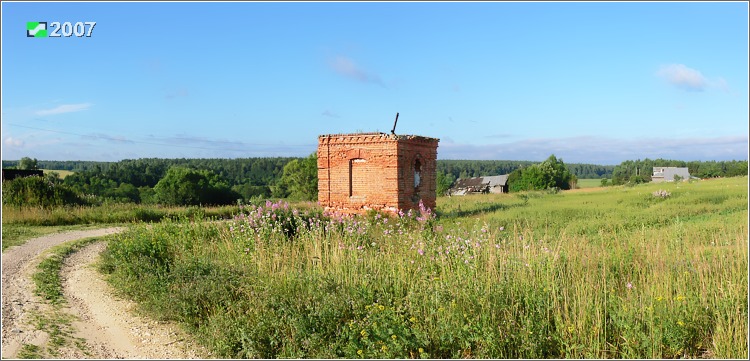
{"x": 134, "y": 180}
{"x": 640, "y": 171}
{"x": 479, "y": 168}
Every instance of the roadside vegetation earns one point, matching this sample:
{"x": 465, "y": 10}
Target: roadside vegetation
{"x": 647, "y": 271}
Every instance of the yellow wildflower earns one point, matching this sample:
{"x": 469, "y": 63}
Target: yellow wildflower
{"x": 394, "y": 337}
{"x": 680, "y": 323}
{"x": 359, "y": 352}
{"x": 421, "y": 350}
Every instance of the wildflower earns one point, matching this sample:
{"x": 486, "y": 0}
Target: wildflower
{"x": 393, "y": 337}
{"x": 421, "y": 350}
{"x": 421, "y": 252}
{"x": 502, "y": 228}
{"x": 363, "y": 333}
{"x": 680, "y": 323}
{"x": 629, "y": 285}
{"x": 413, "y": 319}
{"x": 384, "y": 348}
{"x": 359, "y": 352}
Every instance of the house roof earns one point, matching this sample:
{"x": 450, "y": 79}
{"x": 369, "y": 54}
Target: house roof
{"x": 469, "y": 182}
{"x": 488, "y": 181}
{"x": 497, "y": 180}
{"x": 668, "y": 173}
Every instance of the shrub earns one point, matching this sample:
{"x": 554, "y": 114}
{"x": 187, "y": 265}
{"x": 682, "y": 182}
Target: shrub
{"x": 38, "y": 191}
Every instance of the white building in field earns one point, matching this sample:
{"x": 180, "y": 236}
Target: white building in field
{"x": 668, "y": 174}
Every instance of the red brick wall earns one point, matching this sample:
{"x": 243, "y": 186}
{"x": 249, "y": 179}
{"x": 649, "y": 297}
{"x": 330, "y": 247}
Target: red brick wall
{"x": 357, "y": 172}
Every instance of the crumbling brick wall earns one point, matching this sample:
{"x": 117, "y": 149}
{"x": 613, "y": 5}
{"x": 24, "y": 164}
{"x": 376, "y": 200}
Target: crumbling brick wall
{"x": 357, "y": 172}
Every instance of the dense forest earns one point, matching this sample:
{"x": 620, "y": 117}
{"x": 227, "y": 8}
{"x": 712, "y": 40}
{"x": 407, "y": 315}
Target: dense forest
{"x": 478, "y": 168}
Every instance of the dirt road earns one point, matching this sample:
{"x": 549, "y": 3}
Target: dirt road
{"x": 103, "y": 321}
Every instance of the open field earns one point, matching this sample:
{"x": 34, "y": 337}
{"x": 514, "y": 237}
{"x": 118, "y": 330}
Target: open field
{"x": 589, "y": 183}
{"x": 62, "y": 173}
{"x": 650, "y": 271}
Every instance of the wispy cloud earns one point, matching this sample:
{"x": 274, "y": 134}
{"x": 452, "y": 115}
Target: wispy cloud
{"x": 346, "y": 67}
{"x": 328, "y": 113}
{"x": 13, "y": 142}
{"x": 604, "y": 151}
{"x": 179, "y": 93}
{"x": 65, "y": 108}
{"x": 107, "y": 137}
{"x": 689, "y": 79}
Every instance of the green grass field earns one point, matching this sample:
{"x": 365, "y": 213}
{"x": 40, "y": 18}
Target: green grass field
{"x": 649, "y": 271}
{"x": 589, "y": 183}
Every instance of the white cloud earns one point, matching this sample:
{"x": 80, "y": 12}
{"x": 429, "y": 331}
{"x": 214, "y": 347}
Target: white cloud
{"x": 14, "y": 142}
{"x": 690, "y": 79}
{"x": 346, "y": 67}
{"x": 65, "y": 108}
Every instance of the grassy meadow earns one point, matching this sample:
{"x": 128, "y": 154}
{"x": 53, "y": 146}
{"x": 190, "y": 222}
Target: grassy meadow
{"x": 60, "y": 172}
{"x": 22, "y": 223}
{"x": 589, "y": 183}
{"x": 649, "y": 271}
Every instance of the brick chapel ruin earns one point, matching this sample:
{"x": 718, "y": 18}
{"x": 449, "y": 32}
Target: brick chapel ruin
{"x": 389, "y": 172}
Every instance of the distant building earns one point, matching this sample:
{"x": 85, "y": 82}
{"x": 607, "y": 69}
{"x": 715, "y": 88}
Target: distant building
{"x": 488, "y": 184}
{"x": 668, "y": 174}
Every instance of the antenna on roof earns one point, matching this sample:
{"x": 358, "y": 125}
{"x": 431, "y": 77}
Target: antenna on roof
{"x": 393, "y": 131}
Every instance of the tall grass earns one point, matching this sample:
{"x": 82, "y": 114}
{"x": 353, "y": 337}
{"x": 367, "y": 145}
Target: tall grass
{"x": 110, "y": 213}
{"x": 612, "y": 274}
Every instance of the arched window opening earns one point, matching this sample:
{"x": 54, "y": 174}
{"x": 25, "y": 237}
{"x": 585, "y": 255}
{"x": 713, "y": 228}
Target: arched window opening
{"x": 417, "y": 173}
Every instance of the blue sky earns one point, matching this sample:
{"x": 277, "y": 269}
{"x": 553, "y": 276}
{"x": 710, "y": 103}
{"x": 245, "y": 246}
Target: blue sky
{"x": 593, "y": 83}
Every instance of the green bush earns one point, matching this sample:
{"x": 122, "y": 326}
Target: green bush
{"x": 185, "y": 186}
{"x": 38, "y": 191}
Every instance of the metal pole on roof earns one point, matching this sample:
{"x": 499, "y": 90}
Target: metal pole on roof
{"x": 393, "y": 131}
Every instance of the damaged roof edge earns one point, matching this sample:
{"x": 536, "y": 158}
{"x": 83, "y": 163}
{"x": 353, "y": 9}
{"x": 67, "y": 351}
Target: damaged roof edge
{"x": 381, "y": 134}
